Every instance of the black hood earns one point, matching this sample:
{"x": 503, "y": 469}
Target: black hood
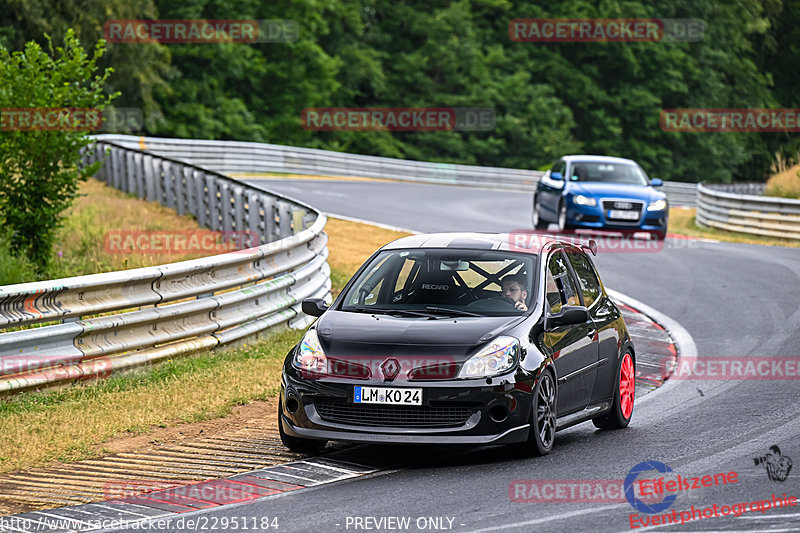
{"x": 345, "y": 334}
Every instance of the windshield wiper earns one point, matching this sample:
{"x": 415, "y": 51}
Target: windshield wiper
{"x": 449, "y": 311}
{"x": 384, "y": 311}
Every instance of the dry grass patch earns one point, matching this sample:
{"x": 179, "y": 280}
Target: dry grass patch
{"x": 682, "y": 222}
{"x": 103, "y": 212}
{"x": 350, "y": 244}
{"x": 785, "y": 184}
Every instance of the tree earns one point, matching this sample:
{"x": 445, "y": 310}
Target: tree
{"x": 48, "y": 103}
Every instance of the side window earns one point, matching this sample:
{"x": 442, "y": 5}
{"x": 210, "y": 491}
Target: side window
{"x": 559, "y": 166}
{"x": 587, "y": 278}
{"x": 560, "y": 289}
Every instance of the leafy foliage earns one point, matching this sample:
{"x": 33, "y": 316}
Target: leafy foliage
{"x": 39, "y": 168}
{"x": 549, "y": 99}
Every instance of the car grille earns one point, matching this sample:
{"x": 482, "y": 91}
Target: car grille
{"x": 339, "y": 410}
{"x": 622, "y": 205}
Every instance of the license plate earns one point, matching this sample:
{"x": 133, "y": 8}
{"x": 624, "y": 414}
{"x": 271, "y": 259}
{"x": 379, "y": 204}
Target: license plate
{"x": 623, "y": 215}
{"x": 387, "y": 395}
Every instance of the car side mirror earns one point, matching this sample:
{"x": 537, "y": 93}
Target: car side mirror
{"x": 314, "y": 306}
{"x": 656, "y": 182}
{"x": 556, "y": 176}
{"x": 568, "y": 316}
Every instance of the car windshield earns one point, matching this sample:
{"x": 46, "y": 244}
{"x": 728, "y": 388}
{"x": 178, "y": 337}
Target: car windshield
{"x": 444, "y": 283}
{"x": 608, "y": 172}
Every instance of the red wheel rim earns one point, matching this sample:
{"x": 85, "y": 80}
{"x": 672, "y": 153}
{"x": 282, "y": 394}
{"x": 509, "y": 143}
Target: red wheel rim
{"x": 627, "y": 386}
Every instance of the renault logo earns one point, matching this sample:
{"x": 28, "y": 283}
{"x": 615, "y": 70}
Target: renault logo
{"x": 390, "y": 368}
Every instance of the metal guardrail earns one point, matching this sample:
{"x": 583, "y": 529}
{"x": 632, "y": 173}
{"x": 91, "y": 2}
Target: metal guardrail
{"x": 235, "y": 157}
{"x": 756, "y": 215}
{"x": 172, "y": 309}
{"x": 680, "y": 194}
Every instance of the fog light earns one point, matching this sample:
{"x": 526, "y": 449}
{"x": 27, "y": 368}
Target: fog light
{"x": 292, "y": 405}
{"x": 498, "y": 413}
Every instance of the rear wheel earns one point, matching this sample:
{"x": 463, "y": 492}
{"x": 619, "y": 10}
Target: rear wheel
{"x": 543, "y": 419}
{"x": 622, "y": 410}
{"x": 538, "y": 222}
{"x": 297, "y": 444}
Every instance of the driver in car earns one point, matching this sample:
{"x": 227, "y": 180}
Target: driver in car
{"x": 514, "y": 288}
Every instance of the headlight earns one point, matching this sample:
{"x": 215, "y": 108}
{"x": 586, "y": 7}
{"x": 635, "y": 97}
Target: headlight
{"x": 309, "y": 356}
{"x": 658, "y": 205}
{"x": 493, "y": 359}
{"x": 585, "y": 200}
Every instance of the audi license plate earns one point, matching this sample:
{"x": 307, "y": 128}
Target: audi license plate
{"x": 387, "y": 395}
{"x": 623, "y": 215}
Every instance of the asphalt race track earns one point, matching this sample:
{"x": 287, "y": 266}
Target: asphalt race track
{"x": 735, "y": 300}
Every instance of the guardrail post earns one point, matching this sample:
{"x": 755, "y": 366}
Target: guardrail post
{"x": 298, "y": 217}
{"x": 239, "y": 223}
{"x": 284, "y": 220}
{"x": 192, "y": 189}
{"x": 201, "y": 197}
{"x": 130, "y": 174}
{"x": 213, "y": 194}
{"x": 138, "y": 160}
{"x": 170, "y": 181}
{"x": 225, "y": 207}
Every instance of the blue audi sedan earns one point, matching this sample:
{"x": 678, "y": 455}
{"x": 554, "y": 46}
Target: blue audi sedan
{"x": 598, "y": 192}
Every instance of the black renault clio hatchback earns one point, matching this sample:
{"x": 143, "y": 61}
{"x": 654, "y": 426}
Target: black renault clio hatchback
{"x": 461, "y": 338}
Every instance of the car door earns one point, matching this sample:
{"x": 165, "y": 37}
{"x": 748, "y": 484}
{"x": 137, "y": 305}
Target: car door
{"x": 550, "y": 192}
{"x": 606, "y": 317}
{"x": 574, "y": 348}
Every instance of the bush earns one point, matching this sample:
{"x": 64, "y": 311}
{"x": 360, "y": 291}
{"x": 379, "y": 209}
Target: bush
{"x": 39, "y": 161}
{"x": 14, "y": 268}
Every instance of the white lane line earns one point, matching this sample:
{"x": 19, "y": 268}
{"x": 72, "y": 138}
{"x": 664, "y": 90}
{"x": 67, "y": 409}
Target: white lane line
{"x": 765, "y": 517}
{"x": 371, "y": 223}
{"x": 321, "y": 465}
{"x": 116, "y": 509}
{"x": 280, "y": 473}
{"x": 62, "y": 520}
{"x": 553, "y": 518}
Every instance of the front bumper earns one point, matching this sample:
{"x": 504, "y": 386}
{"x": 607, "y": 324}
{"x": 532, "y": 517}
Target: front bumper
{"x": 594, "y": 217}
{"x": 452, "y": 412}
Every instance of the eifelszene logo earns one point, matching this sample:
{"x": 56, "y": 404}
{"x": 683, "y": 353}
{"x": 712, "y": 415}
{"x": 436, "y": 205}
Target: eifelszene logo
{"x": 778, "y": 466}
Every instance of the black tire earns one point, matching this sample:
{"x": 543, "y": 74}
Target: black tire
{"x": 536, "y": 219}
{"x": 543, "y": 419}
{"x": 295, "y": 444}
{"x": 616, "y": 418}
{"x": 660, "y": 235}
{"x": 563, "y": 221}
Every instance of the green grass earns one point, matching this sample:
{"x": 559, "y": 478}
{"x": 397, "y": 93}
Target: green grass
{"x": 71, "y": 423}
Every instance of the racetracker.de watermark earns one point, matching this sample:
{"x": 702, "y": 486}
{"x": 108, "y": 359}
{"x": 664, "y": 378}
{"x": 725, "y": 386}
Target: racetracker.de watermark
{"x": 698, "y": 120}
{"x": 612, "y": 241}
{"x": 55, "y": 366}
{"x": 167, "y": 242}
{"x": 745, "y": 368}
{"x": 201, "y": 31}
{"x": 118, "y": 119}
{"x": 398, "y": 119}
{"x": 632, "y": 30}
{"x": 395, "y": 367}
